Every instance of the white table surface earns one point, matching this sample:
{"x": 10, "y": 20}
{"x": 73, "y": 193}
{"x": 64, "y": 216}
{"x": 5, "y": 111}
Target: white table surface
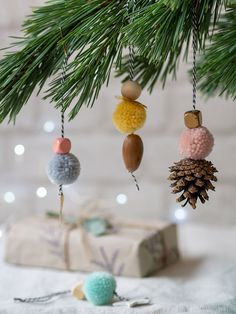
{"x": 204, "y": 281}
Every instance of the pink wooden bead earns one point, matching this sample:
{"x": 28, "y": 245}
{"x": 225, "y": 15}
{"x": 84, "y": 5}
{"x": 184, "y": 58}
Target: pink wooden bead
{"x": 61, "y": 145}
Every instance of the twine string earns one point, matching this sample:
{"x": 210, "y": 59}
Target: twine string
{"x": 194, "y": 46}
{"x": 131, "y": 4}
{"x": 120, "y": 298}
{"x": 63, "y": 78}
{"x": 135, "y": 181}
{"x": 42, "y": 299}
{"x": 131, "y": 62}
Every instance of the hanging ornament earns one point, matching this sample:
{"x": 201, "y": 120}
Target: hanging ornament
{"x": 64, "y": 167}
{"x": 193, "y": 175}
{"x": 130, "y": 116}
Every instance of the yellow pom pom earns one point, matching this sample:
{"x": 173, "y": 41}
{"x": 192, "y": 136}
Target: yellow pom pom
{"x": 129, "y": 116}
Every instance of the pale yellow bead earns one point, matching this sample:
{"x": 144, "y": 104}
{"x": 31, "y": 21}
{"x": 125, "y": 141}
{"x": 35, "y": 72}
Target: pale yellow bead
{"x": 131, "y": 90}
{"x": 77, "y": 291}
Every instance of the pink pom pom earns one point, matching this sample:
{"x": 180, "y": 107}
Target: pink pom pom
{"x": 196, "y": 143}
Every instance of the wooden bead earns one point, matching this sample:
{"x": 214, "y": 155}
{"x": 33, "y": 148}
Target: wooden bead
{"x": 193, "y": 119}
{"x": 132, "y": 152}
{"x": 131, "y": 90}
{"x": 62, "y": 145}
{"x": 77, "y": 291}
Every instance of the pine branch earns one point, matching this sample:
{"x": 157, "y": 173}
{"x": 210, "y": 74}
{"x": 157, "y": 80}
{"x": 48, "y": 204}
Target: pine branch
{"x": 98, "y": 51}
{"x": 42, "y": 54}
{"x": 217, "y": 68}
{"x": 163, "y": 30}
{"x": 95, "y": 32}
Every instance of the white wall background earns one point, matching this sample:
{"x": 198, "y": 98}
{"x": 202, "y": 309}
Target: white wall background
{"x": 98, "y": 146}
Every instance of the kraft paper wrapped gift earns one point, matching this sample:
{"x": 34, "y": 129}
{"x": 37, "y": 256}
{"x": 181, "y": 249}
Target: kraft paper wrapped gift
{"x": 132, "y": 248}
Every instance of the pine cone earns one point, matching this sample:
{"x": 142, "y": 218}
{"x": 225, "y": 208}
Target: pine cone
{"x": 192, "y": 178}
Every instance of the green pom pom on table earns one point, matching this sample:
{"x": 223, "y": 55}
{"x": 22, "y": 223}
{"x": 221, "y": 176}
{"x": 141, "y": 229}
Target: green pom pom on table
{"x": 99, "y": 288}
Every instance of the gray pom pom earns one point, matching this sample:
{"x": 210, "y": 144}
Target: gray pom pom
{"x": 63, "y": 169}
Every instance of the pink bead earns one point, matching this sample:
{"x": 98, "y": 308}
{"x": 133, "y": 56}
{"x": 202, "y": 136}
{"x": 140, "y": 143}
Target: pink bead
{"x": 61, "y": 145}
{"x": 196, "y": 143}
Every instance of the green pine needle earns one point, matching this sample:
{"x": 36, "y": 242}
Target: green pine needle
{"x": 217, "y": 68}
{"x": 95, "y": 34}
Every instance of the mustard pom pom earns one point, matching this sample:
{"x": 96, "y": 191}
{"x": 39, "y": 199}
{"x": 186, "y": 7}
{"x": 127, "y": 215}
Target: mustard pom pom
{"x": 129, "y": 116}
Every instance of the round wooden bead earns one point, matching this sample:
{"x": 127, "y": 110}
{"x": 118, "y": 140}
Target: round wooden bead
{"x": 62, "y": 145}
{"x": 131, "y": 90}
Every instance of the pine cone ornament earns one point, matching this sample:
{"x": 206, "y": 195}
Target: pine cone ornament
{"x": 193, "y": 179}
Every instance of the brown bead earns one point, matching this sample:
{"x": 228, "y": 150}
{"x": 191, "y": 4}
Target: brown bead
{"x": 193, "y": 119}
{"x": 132, "y": 152}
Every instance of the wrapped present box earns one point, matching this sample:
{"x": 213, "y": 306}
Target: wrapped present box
{"x": 130, "y": 248}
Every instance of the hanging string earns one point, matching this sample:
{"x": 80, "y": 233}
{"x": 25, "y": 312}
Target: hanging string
{"x": 131, "y": 4}
{"x": 63, "y": 78}
{"x": 131, "y": 62}
{"x": 135, "y": 181}
{"x": 120, "y": 298}
{"x": 194, "y": 46}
